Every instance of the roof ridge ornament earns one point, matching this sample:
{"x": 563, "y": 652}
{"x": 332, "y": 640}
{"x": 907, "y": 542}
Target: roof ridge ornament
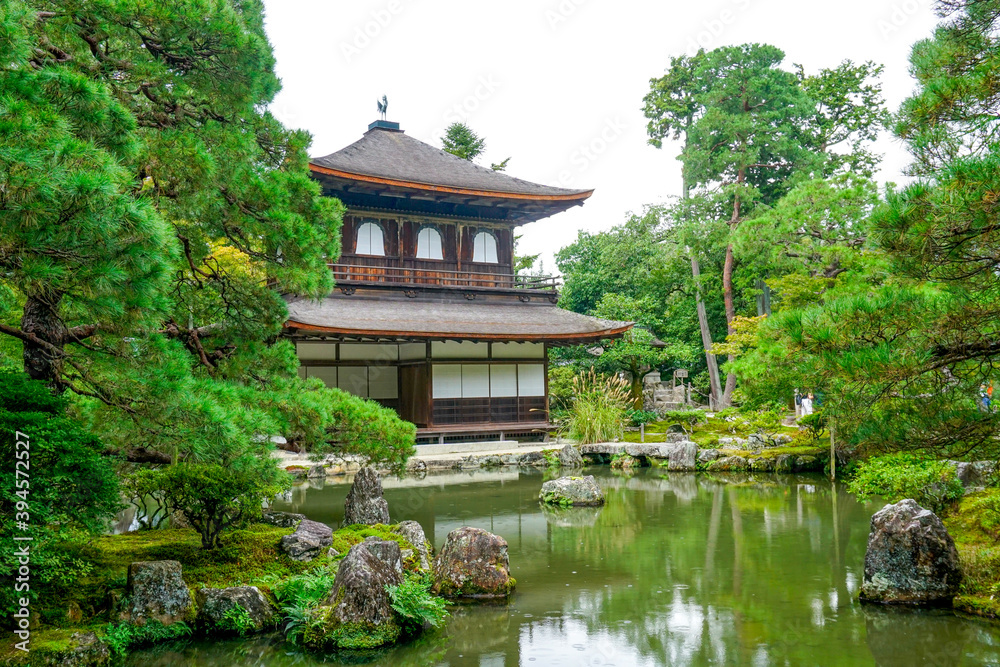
{"x": 383, "y": 105}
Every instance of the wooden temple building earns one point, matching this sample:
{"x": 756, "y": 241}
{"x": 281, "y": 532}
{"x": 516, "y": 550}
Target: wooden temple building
{"x": 429, "y": 317}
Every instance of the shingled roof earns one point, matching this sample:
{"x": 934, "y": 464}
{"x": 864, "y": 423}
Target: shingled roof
{"x": 391, "y": 156}
{"x": 364, "y": 317}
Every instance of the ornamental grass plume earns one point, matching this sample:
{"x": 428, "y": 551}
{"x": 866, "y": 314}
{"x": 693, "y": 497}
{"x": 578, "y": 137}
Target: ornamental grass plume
{"x": 600, "y": 408}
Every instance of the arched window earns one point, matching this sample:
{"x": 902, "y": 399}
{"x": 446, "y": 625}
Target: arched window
{"x": 484, "y": 248}
{"x": 429, "y": 244}
{"x": 370, "y": 240}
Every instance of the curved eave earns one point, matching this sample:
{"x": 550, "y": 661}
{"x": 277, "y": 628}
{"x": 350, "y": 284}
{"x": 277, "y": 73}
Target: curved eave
{"x": 568, "y": 338}
{"x": 445, "y": 189}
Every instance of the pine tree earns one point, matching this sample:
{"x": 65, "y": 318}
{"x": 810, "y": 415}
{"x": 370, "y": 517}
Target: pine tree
{"x": 153, "y": 215}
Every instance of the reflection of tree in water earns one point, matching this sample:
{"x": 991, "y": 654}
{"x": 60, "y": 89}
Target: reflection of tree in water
{"x": 750, "y": 572}
{"x": 273, "y": 651}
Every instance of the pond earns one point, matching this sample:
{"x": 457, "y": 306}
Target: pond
{"x": 676, "y": 569}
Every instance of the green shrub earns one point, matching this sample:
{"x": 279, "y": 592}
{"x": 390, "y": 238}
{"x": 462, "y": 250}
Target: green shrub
{"x": 639, "y": 417}
{"x": 362, "y": 428}
{"x": 122, "y": 637}
{"x": 728, "y": 414}
{"x": 415, "y": 603}
{"x": 765, "y": 422}
{"x": 684, "y": 417}
{"x": 561, "y": 387}
{"x": 816, "y": 423}
{"x": 933, "y": 484}
{"x": 61, "y": 484}
{"x": 600, "y": 406}
{"x": 212, "y": 497}
{"x": 986, "y": 510}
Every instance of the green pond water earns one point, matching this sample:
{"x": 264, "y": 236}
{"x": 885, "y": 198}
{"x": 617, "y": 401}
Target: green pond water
{"x": 678, "y": 569}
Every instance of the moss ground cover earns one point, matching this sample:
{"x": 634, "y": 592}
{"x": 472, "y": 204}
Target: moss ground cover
{"x": 972, "y": 523}
{"x": 251, "y": 556}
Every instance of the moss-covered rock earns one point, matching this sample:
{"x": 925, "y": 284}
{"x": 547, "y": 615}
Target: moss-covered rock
{"x": 358, "y": 613}
{"x": 413, "y": 533}
{"x": 156, "y": 591}
{"x": 59, "y": 648}
{"x": 572, "y": 491}
{"x": 473, "y": 563}
{"x": 238, "y": 610}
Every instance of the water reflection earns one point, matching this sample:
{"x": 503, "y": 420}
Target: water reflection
{"x": 674, "y": 569}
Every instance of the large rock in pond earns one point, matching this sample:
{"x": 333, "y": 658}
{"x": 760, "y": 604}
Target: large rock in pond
{"x": 413, "y": 532}
{"x": 911, "y": 558}
{"x": 156, "y": 592}
{"x": 308, "y": 540}
{"x": 473, "y": 563}
{"x": 358, "y": 612}
{"x": 569, "y": 457}
{"x": 239, "y": 610}
{"x": 365, "y": 503}
{"x": 572, "y": 491}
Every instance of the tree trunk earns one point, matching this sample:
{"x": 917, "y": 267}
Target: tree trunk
{"x": 637, "y": 402}
{"x": 715, "y": 385}
{"x": 716, "y": 400}
{"x": 41, "y": 319}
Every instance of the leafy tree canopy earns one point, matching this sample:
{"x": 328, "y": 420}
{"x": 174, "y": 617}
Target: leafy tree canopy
{"x": 153, "y": 215}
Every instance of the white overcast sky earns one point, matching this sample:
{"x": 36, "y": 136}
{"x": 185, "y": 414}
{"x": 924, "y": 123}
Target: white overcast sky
{"x": 556, "y": 85}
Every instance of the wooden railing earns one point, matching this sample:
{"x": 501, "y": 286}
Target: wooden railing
{"x": 405, "y": 276}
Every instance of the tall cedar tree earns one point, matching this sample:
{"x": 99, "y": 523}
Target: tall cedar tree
{"x": 751, "y": 128}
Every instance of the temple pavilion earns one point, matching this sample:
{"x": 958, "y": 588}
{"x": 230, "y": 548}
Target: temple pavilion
{"x": 428, "y": 316}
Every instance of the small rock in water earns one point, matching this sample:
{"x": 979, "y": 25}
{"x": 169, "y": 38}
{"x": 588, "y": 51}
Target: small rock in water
{"x": 365, "y": 504}
{"x": 577, "y": 491}
{"x": 911, "y": 558}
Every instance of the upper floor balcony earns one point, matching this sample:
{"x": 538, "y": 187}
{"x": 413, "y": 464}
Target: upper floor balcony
{"x": 388, "y": 271}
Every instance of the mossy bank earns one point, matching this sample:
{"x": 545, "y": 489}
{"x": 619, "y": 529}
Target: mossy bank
{"x": 90, "y": 604}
